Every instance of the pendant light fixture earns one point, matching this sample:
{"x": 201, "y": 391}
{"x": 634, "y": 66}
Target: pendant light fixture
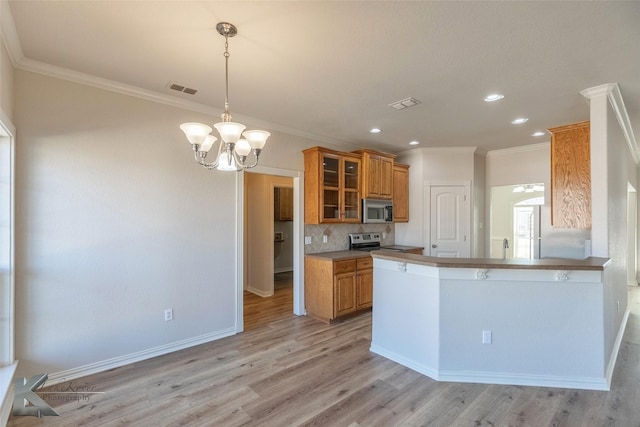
{"x": 233, "y": 151}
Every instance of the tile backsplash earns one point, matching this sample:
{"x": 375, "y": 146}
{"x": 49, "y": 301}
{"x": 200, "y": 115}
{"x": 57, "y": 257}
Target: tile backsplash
{"x": 338, "y": 235}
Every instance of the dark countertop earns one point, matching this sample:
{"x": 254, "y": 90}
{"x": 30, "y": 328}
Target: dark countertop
{"x": 338, "y": 255}
{"x": 591, "y": 263}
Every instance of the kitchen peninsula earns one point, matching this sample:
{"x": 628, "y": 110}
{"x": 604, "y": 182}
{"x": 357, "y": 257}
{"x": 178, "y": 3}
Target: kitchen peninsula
{"x": 522, "y": 322}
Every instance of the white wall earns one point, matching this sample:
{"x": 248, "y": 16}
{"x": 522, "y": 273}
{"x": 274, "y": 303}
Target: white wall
{"x": 6, "y": 82}
{"x": 479, "y": 220}
{"x": 612, "y": 169}
{"x": 442, "y": 164}
{"x": 526, "y": 164}
{"x": 621, "y": 170}
{"x": 115, "y": 223}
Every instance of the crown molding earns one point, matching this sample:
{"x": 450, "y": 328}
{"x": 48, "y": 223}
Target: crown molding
{"x": 149, "y": 95}
{"x": 612, "y": 91}
{"x": 444, "y": 150}
{"x": 9, "y": 34}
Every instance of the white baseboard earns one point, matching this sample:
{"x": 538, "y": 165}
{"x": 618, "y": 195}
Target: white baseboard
{"x": 260, "y": 292}
{"x": 495, "y": 377}
{"x": 613, "y": 357}
{"x": 116, "y": 362}
{"x": 418, "y": 367}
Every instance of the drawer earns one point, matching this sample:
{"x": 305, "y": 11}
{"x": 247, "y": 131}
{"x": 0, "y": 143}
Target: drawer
{"x": 344, "y": 266}
{"x": 364, "y": 263}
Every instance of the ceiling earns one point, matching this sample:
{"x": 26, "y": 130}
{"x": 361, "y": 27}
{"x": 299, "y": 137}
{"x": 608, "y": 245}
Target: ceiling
{"x": 331, "y": 69}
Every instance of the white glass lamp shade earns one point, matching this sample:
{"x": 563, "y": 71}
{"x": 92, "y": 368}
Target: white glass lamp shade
{"x": 257, "y": 138}
{"x": 230, "y": 131}
{"x": 242, "y": 147}
{"x": 208, "y": 143}
{"x": 196, "y": 132}
{"x": 223, "y": 162}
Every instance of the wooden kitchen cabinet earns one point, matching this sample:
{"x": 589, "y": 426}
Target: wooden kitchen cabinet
{"x": 400, "y": 192}
{"x": 331, "y": 186}
{"x": 335, "y": 288}
{"x": 364, "y": 283}
{"x": 571, "y": 176}
{"x": 283, "y": 204}
{"x": 377, "y": 174}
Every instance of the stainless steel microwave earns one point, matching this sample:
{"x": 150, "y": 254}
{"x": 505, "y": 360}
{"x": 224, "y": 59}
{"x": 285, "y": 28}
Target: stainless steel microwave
{"x": 377, "y": 211}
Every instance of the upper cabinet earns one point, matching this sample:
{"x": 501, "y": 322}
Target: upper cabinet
{"x": 283, "y": 204}
{"x": 377, "y": 172}
{"x": 400, "y": 192}
{"x": 571, "y": 176}
{"x": 331, "y": 186}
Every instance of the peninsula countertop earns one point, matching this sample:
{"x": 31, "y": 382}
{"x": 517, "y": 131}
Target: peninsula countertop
{"x": 591, "y": 263}
{"x": 338, "y": 255}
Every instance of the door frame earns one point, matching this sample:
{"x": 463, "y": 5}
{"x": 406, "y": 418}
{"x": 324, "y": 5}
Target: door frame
{"x": 7, "y": 289}
{"x": 298, "y": 235}
{"x": 427, "y": 211}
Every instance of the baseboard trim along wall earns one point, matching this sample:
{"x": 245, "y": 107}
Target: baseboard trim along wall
{"x": 496, "y": 377}
{"x": 116, "y": 362}
{"x": 259, "y": 292}
{"x": 613, "y": 357}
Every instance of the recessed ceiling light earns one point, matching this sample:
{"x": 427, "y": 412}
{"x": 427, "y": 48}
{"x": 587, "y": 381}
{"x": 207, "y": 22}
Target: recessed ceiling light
{"x": 519, "y": 121}
{"x": 493, "y": 97}
{"x": 537, "y": 133}
{"x": 414, "y": 143}
{"x": 375, "y": 130}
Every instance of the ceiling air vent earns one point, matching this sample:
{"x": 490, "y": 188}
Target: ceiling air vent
{"x": 405, "y": 103}
{"x": 183, "y": 89}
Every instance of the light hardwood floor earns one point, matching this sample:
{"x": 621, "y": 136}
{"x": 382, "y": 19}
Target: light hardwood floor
{"x": 259, "y": 311}
{"x": 298, "y": 371}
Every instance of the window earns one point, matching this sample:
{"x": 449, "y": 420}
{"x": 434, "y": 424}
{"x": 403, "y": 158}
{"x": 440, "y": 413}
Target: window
{"x": 525, "y": 226}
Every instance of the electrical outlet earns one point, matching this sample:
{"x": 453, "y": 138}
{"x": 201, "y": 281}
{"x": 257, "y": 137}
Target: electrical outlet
{"x": 168, "y": 314}
{"x": 486, "y": 337}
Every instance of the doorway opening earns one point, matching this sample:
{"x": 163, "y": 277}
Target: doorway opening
{"x": 526, "y": 228}
{"x": 515, "y": 220}
{"x": 269, "y": 243}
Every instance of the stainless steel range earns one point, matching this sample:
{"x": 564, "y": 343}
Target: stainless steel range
{"x": 368, "y": 242}
{"x": 364, "y": 241}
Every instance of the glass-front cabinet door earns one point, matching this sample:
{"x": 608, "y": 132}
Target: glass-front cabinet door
{"x": 351, "y": 190}
{"x": 340, "y": 189}
{"x": 331, "y": 188}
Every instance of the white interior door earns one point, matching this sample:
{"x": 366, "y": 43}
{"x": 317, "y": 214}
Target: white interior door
{"x": 449, "y": 221}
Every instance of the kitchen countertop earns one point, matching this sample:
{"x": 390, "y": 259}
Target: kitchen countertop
{"x": 591, "y": 263}
{"x": 338, "y": 255}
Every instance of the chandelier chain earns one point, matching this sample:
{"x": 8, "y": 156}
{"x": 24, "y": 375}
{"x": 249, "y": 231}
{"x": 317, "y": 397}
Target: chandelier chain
{"x": 226, "y": 117}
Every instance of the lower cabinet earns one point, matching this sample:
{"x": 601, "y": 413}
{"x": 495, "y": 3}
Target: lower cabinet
{"x": 335, "y": 288}
{"x": 364, "y": 283}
